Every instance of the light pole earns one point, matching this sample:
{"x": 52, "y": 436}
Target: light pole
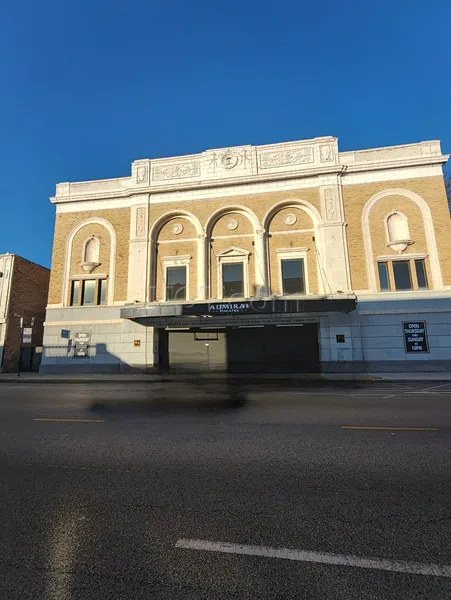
{"x": 20, "y": 347}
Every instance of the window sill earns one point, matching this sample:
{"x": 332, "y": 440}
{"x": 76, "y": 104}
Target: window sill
{"x": 403, "y": 291}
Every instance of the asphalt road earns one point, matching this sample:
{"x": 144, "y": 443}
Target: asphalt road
{"x": 127, "y": 492}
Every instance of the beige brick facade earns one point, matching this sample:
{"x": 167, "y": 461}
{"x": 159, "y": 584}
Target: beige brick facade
{"x": 65, "y": 224}
{"x": 431, "y": 189}
{"x": 319, "y": 216}
{"x": 357, "y": 228}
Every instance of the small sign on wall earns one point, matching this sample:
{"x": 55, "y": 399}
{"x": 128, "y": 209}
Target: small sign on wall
{"x": 82, "y": 337}
{"x": 27, "y": 333}
{"x": 82, "y": 340}
{"x": 415, "y": 336}
{"x": 137, "y": 343}
{"x": 81, "y": 351}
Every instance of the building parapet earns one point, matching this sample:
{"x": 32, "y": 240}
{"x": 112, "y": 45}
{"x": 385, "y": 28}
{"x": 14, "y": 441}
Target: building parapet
{"x": 249, "y": 164}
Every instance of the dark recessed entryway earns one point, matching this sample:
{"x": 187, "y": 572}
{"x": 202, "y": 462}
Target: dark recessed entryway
{"x": 269, "y": 348}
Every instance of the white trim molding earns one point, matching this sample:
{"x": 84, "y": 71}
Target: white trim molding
{"x": 176, "y": 261}
{"x": 312, "y": 212}
{"x": 172, "y": 214}
{"x": 85, "y": 276}
{"x": 68, "y": 257}
{"x": 153, "y": 245}
{"x": 428, "y": 228}
{"x": 230, "y": 256}
{"x": 406, "y": 257}
{"x": 293, "y": 253}
{"x": 233, "y": 208}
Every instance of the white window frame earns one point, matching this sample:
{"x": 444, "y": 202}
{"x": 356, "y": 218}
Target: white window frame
{"x": 176, "y": 261}
{"x": 293, "y": 254}
{"x": 407, "y": 256}
{"x": 81, "y": 278}
{"x": 412, "y": 269}
{"x": 231, "y": 256}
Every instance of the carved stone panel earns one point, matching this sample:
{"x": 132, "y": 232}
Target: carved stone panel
{"x": 284, "y": 158}
{"x": 176, "y": 171}
{"x": 141, "y": 174}
{"x": 331, "y": 205}
{"x": 233, "y": 161}
{"x": 140, "y": 222}
{"x": 177, "y": 228}
{"x": 326, "y": 153}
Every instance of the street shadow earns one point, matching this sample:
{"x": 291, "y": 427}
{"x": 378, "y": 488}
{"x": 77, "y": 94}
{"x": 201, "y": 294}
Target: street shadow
{"x": 181, "y": 396}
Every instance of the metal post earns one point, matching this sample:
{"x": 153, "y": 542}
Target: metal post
{"x": 20, "y": 350}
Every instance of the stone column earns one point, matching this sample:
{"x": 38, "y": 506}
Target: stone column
{"x": 201, "y": 266}
{"x": 138, "y": 254}
{"x": 260, "y": 263}
{"x": 334, "y": 256}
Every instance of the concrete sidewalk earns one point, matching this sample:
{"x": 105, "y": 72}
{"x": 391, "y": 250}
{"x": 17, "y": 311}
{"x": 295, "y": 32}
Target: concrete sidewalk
{"x": 155, "y": 378}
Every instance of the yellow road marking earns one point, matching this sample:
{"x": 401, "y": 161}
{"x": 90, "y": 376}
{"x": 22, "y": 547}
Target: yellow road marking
{"x": 70, "y": 420}
{"x": 390, "y": 428}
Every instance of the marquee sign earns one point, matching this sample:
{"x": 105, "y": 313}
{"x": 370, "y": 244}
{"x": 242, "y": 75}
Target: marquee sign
{"x": 270, "y": 306}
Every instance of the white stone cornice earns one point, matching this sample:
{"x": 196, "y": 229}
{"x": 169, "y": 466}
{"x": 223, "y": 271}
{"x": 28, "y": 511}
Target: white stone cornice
{"x": 223, "y": 171}
{"x": 397, "y": 164}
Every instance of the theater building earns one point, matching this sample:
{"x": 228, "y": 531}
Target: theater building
{"x": 290, "y": 257}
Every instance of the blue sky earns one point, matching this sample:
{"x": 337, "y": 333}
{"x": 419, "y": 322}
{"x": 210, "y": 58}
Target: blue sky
{"x": 87, "y": 87}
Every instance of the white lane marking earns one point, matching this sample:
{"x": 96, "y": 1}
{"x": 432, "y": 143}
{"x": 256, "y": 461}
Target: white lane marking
{"x": 375, "y": 394}
{"x": 380, "y": 564}
{"x": 434, "y": 387}
{"x": 64, "y": 542}
{"x": 389, "y": 396}
{"x": 441, "y": 393}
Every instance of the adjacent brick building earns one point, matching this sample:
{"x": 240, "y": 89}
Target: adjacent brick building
{"x": 290, "y": 256}
{"x": 23, "y": 294}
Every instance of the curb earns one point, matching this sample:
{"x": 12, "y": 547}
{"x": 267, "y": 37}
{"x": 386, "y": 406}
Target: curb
{"x": 291, "y": 380}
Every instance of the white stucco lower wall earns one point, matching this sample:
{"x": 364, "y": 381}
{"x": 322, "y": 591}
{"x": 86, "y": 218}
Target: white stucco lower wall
{"x": 376, "y": 337}
{"x": 116, "y": 345}
{"x": 373, "y": 337}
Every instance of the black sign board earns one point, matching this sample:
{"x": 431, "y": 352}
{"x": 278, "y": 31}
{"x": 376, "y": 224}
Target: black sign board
{"x": 81, "y": 344}
{"x": 252, "y": 307}
{"x": 415, "y": 336}
{"x": 82, "y": 337}
{"x": 81, "y": 351}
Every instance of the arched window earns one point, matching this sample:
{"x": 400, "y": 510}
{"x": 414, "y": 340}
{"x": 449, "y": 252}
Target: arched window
{"x": 91, "y": 254}
{"x": 397, "y": 227}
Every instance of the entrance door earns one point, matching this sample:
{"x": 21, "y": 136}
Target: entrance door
{"x": 273, "y": 349}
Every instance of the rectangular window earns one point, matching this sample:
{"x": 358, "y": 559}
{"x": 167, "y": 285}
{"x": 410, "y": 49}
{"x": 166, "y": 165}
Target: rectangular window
{"x": 101, "y": 292}
{"x": 293, "y": 281}
{"x": 232, "y": 280}
{"x": 422, "y": 278}
{"x": 384, "y": 280}
{"x": 75, "y": 293}
{"x": 89, "y": 292}
{"x": 401, "y": 272}
{"x": 176, "y": 283}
